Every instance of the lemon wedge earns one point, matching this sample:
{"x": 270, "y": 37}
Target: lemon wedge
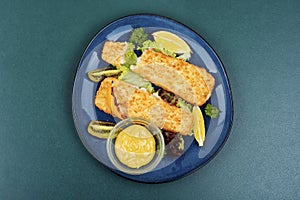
{"x": 199, "y": 127}
{"x": 173, "y": 43}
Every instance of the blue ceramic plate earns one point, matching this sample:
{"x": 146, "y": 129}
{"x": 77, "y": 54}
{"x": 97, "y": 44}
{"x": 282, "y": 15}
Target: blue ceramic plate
{"x": 84, "y": 110}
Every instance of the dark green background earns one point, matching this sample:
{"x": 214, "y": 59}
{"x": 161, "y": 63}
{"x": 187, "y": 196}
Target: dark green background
{"x": 41, "y": 156}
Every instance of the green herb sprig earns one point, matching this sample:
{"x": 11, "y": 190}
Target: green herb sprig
{"x": 211, "y": 111}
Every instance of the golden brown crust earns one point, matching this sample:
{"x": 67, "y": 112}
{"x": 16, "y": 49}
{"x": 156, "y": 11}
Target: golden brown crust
{"x": 102, "y": 93}
{"x": 186, "y": 80}
{"x": 209, "y": 80}
{"x": 113, "y": 52}
{"x": 105, "y": 100}
{"x": 122, "y": 92}
{"x": 133, "y": 102}
{"x": 175, "y": 75}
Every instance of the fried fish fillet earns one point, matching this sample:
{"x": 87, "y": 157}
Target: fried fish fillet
{"x": 192, "y": 83}
{"x": 124, "y": 100}
{"x": 114, "y": 52}
{"x": 186, "y": 80}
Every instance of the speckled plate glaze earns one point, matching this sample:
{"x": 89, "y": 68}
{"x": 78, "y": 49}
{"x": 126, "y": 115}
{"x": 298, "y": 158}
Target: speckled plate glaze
{"x": 217, "y": 130}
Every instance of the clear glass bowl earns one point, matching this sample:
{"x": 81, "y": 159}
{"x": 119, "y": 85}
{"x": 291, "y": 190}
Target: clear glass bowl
{"x": 159, "y": 146}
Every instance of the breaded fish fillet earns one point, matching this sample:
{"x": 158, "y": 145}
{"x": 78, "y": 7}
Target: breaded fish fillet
{"x": 114, "y": 52}
{"x": 192, "y": 83}
{"x": 186, "y": 80}
{"x": 129, "y": 101}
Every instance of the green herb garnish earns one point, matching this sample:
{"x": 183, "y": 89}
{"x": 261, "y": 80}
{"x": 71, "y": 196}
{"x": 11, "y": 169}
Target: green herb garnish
{"x": 138, "y": 36}
{"x": 130, "y": 56}
{"x": 211, "y": 111}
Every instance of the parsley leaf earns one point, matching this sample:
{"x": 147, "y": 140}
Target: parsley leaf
{"x": 211, "y": 111}
{"x": 138, "y": 36}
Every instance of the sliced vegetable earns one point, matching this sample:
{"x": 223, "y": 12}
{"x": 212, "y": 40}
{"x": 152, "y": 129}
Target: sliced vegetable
{"x": 211, "y": 111}
{"x": 100, "y": 129}
{"x": 167, "y": 96}
{"x": 123, "y": 69}
{"x": 183, "y": 104}
{"x": 98, "y": 75}
{"x": 199, "y": 127}
{"x": 174, "y": 100}
{"x": 134, "y": 79}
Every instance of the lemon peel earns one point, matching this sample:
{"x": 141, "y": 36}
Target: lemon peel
{"x": 199, "y": 127}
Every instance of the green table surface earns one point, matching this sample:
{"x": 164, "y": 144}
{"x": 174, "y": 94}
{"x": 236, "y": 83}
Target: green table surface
{"x": 41, "y": 155}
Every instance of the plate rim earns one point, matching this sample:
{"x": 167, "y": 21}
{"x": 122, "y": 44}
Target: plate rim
{"x": 228, "y": 132}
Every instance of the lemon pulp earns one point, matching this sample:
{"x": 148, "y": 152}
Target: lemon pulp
{"x": 135, "y": 146}
{"x": 173, "y": 43}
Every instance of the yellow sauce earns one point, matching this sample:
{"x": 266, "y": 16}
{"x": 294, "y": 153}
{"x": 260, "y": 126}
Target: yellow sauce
{"x": 135, "y": 146}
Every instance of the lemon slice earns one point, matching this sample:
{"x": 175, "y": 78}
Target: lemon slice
{"x": 173, "y": 43}
{"x": 199, "y": 127}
